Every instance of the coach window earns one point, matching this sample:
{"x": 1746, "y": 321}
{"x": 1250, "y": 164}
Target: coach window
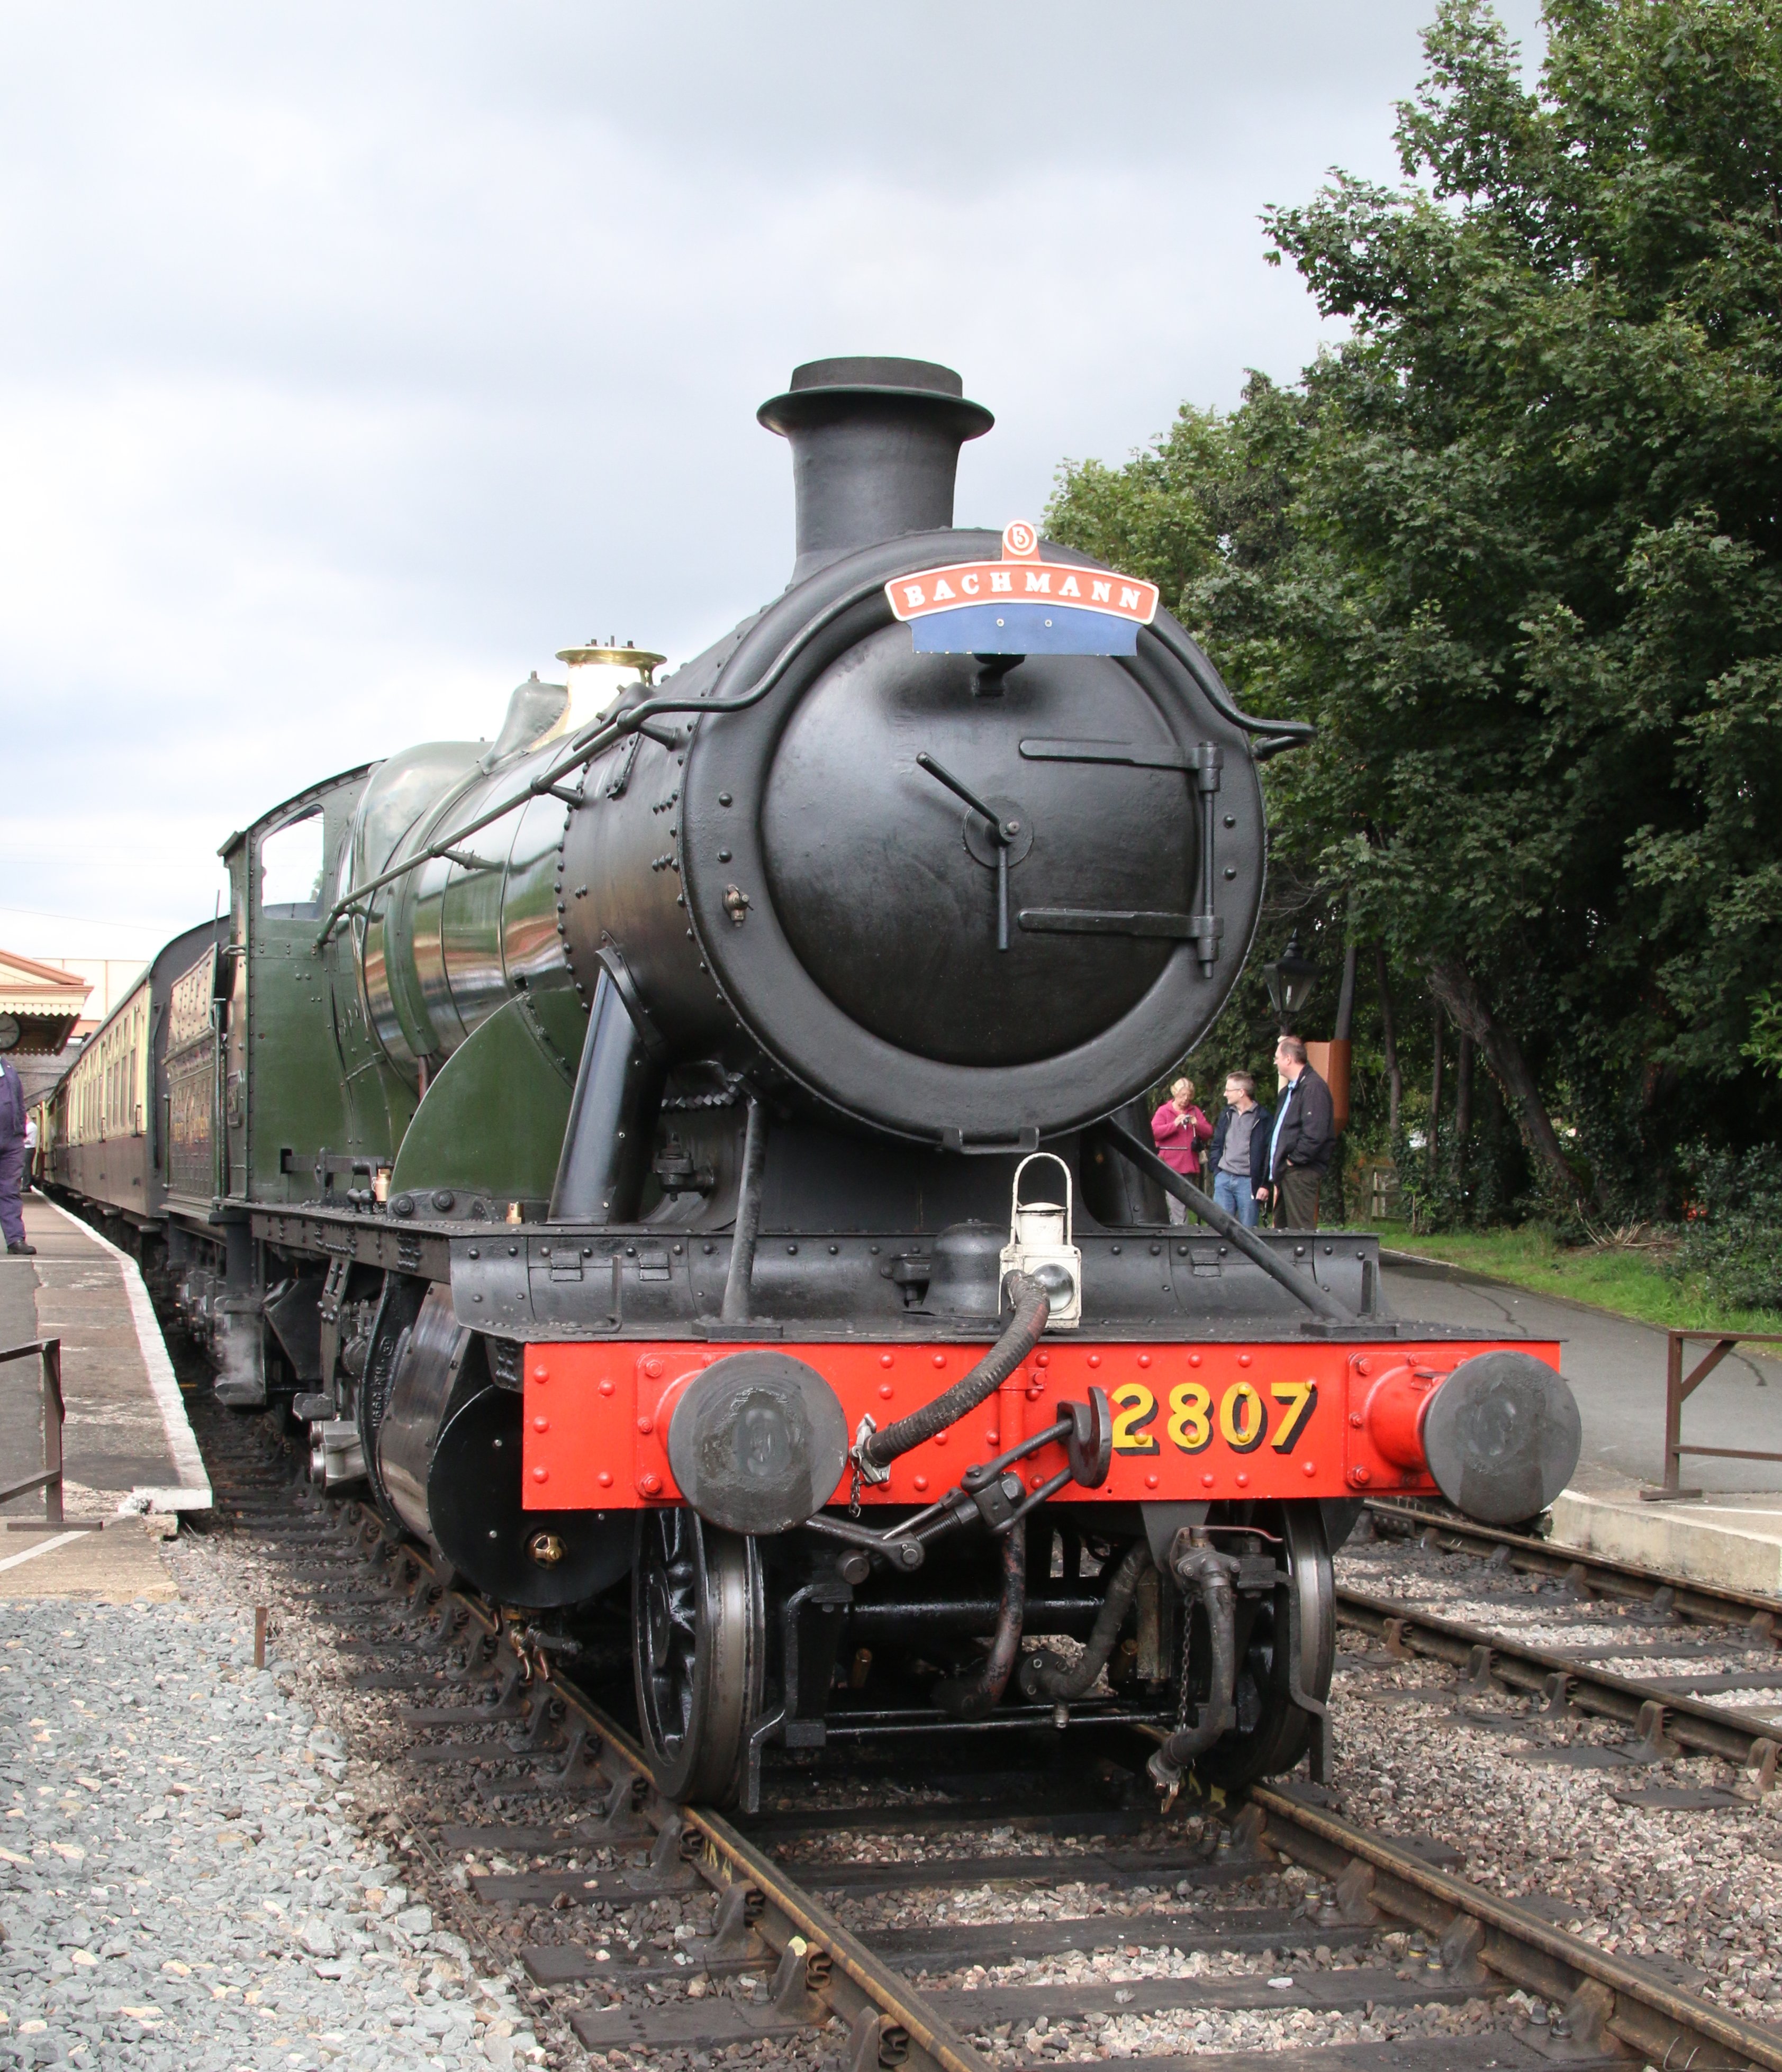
{"x": 290, "y": 870}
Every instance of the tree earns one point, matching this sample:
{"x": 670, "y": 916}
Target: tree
{"x": 1513, "y": 546}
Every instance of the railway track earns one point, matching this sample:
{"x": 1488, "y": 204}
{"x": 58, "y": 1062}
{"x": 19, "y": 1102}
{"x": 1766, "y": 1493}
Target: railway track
{"x": 839, "y": 1927}
{"x": 1596, "y": 1574}
{"x": 1672, "y": 1617}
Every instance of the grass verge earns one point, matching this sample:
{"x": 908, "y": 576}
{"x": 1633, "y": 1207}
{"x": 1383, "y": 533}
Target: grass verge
{"x": 1629, "y": 1279}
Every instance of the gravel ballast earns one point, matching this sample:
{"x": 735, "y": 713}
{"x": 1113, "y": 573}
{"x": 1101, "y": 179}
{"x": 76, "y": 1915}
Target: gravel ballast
{"x": 222, "y": 1869}
{"x": 1700, "y": 1890}
{"x": 184, "y": 1881}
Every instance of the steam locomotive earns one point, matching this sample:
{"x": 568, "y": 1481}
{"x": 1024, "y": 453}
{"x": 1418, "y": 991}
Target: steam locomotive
{"x": 692, "y": 1143}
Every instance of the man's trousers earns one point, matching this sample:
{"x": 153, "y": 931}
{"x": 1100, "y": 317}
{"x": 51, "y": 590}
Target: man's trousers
{"x": 1296, "y": 1199}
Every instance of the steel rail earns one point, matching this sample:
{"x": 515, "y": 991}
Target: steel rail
{"x": 1711, "y": 1603}
{"x": 1606, "y": 1996}
{"x": 887, "y": 2014}
{"x": 730, "y": 1858}
{"x": 891, "y": 2023}
{"x": 1603, "y": 1991}
{"x": 1739, "y": 1737}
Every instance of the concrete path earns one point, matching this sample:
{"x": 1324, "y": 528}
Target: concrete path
{"x": 1616, "y": 1369}
{"x": 121, "y": 1565}
{"x": 126, "y": 1443}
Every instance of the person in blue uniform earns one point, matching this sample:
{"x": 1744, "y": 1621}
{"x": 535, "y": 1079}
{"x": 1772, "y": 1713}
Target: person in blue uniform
{"x": 12, "y": 1159}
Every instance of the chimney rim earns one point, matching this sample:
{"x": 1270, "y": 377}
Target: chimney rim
{"x": 820, "y": 388}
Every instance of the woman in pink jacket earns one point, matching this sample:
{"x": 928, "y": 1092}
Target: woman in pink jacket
{"x": 1179, "y": 1130}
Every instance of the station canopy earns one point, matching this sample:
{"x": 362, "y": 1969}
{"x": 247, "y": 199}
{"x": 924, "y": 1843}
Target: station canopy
{"x": 44, "y": 1002}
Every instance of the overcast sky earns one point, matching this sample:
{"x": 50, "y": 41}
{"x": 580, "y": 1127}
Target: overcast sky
{"x": 355, "y": 358}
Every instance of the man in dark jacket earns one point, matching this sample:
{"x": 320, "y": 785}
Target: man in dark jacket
{"x": 12, "y": 1159}
{"x": 1303, "y": 1140}
{"x": 1238, "y": 1156}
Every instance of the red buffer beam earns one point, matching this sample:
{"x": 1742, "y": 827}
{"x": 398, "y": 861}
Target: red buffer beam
{"x": 1223, "y": 1423}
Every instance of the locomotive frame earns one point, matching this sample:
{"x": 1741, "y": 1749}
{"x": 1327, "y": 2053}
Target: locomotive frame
{"x": 613, "y": 1154}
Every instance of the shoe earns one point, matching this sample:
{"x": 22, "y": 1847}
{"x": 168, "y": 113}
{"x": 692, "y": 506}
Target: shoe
{"x": 17, "y": 1250}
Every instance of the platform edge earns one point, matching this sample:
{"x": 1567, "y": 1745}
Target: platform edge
{"x": 193, "y": 1491}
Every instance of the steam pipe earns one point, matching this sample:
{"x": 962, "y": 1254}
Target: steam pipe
{"x": 606, "y": 1146}
{"x": 747, "y": 1229}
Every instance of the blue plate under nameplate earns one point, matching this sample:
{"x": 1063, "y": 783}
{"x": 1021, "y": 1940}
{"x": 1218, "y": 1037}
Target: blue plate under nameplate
{"x": 1023, "y": 629}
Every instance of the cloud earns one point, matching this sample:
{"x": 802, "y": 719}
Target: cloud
{"x": 358, "y": 359}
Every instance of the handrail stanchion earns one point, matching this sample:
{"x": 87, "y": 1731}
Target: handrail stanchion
{"x": 1673, "y": 1416}
{"x": 54, "y": 1412}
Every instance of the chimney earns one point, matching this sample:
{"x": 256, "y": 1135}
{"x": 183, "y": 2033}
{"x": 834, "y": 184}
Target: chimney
{"x": 875, "y": 450}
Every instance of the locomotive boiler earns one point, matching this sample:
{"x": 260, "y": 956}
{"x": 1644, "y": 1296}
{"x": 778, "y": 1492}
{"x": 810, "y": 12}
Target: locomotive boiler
{"x": 692, "y": 1144}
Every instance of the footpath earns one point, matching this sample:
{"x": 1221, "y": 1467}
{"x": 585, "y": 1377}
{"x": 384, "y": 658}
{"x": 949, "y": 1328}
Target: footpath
{"x": 186, "y": 1884}
{"x": 189, "y": 1880}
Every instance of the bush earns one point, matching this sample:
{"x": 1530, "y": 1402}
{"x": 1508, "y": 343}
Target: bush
{"x": 1730, "y": 1239}
{"x": 1480, "y": 1185}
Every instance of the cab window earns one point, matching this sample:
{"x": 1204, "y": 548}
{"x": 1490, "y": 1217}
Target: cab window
{"x": 290, "y": 869}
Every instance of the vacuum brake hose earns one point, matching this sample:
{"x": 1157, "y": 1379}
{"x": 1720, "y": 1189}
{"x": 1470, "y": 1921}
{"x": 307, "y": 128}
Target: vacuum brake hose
{"x": 1032, "y": 1307}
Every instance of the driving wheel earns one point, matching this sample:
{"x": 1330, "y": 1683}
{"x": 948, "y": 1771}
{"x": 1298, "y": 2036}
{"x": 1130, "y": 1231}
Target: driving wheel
{"x": 697, "y": 1643}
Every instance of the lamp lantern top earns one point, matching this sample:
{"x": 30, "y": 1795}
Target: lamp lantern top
{"x": 1290, "y": 980}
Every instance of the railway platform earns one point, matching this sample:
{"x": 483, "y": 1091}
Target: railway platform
{"x": 129, "y": 1457}
{"x": 1615, "y": 1365}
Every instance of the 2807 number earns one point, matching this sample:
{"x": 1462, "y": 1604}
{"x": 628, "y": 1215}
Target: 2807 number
{"x": 1241, "y": 1419}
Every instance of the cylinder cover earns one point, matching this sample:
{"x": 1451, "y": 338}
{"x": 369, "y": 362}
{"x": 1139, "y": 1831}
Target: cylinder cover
{"x": 447, "y": 1454}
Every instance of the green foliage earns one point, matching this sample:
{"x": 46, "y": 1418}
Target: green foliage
{"x": 1765, "y": 1047}
{"x": 1625, "y": 1276}
{"x": 1731, "y": 1241}
{"x": 1476, "y": 1184}
{"x": 1514, "y": 548}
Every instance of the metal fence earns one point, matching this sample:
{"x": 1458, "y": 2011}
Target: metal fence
{"x": 48, "y": 1351}
{"x": 1679, "y": 1387}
